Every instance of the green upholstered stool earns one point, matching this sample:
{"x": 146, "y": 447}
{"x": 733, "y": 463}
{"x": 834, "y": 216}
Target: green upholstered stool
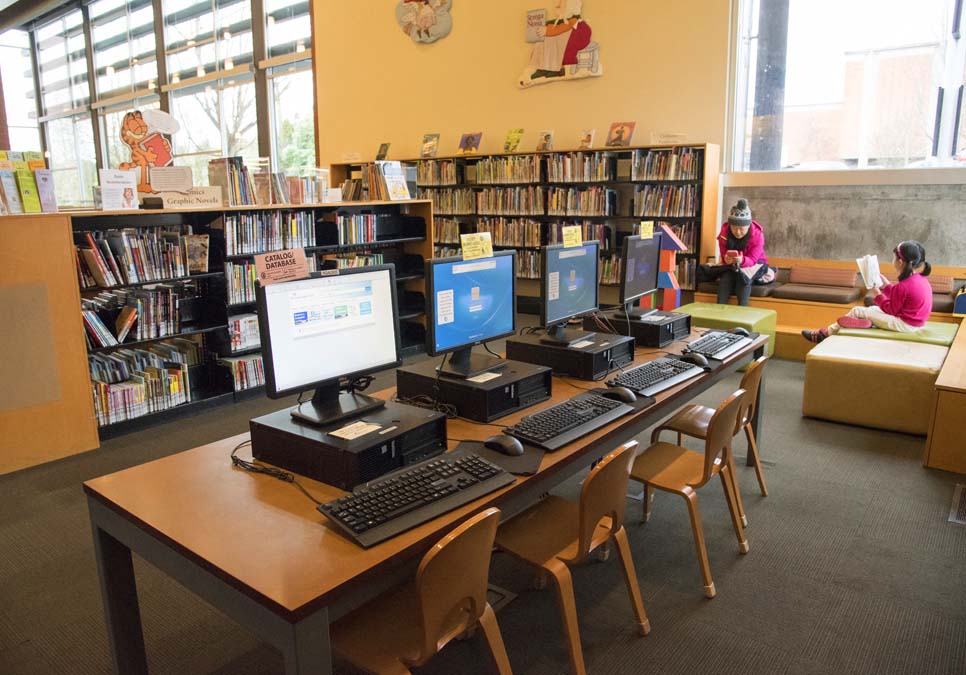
{"x": 932, "y": 333}
{"x": 754, "y": 319}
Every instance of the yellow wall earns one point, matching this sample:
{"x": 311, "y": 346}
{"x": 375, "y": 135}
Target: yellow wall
{"x": 665, "y": 66}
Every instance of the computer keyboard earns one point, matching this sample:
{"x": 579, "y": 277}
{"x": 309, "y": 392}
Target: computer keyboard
{"x": 565, "y": 422}
{"x": 656, "y": 376}
{"x": 719, "y": 345}
{"x": 411, "y": 496}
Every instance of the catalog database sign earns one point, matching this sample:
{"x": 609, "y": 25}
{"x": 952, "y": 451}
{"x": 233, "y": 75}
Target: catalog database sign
{"x": 279, "y": 266}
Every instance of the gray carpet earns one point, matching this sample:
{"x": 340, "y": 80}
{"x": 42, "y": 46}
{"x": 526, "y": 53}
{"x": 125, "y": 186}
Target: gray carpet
{"x": 852, "y": 569}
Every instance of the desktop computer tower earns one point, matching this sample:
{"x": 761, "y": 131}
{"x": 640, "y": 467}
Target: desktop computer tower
{"x": 483, "y": 398}
{"x": 589, "y": 359}
{"x": 655, "y": 330}
{"x": 405, "y": 435}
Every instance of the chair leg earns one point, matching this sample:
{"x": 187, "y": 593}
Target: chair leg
{"x": 491, "y": 630}
{"x": 568, "y": 612}
{"x": 647, "y": 500}
{"x": 733, "y": 509}
{"x": 698, "y": 530}
{"x": 753, "y": 449}
{"x": 656, "y": 435}
{"x": 630, "y": 577}
{"x": 733, "y": 477}
{"x": 680, "y": 438}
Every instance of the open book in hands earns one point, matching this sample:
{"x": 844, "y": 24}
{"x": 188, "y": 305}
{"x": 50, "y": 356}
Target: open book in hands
{"x": 869, "y": 269}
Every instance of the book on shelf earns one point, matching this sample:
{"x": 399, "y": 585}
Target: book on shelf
{"x": 610, "y": 269}
{"x": 157, "y": 308}
{"x": 35, "y": 160}
{"x": 430, "y": 146}
{"x": 528, "y": 264}
{"x": 390, "y": 182}
{"x": 45, "y": 190}
{"x": 620, "y": 134}
{"x": 513, "y": 138}
{"x": 545, "y": 140}
{"x": 591, "y": 201}
{"x": 132, "y": 255}
{"x": 581, "y": 167}
{"x": 262, "y": 181}
{"x": 436, "y": 172}
{"x": 672, "y": 164}
{"x": 11, "y": 194}
{"x": 240, "y": 278}
{"x": 512, "y": 231}
{"x": 97, "y": 330}
{"x": 586, "y": 139}
{"x": 262, "y": 231}
{"x": 512, "y": 169}
{"x": 125, "y": 321}
{"x": 247, "y": 371}
{"x": 27, "y": 185}
{"x": 234, "y": 179}
{"x": 196, "y": 250}
{"x": 243, "y": 331}
{"x": 669, "y": 201}
{"x": 451, "y": 201}
{"x": 294, "y": 187}
{"x": 382, "y": 152}
{"x": 528, "y": 200}
{"x": 589, "y": 231}
{"x": 351, "y": 260}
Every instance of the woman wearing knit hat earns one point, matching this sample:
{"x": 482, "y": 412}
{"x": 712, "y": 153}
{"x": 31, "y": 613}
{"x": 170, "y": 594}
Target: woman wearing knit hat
{"x": 741, "y": 244}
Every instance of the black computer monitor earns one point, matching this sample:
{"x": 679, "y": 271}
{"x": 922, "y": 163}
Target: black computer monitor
{"x": 641, "y": 262}
{"x": 568, "y": 289}
{"x": 341, "y": 324}
{"x": 470, "y": 302}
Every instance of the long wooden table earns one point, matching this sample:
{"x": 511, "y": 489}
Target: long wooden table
{"x": 257, "y": 549}
{"x": 945, "y": 448}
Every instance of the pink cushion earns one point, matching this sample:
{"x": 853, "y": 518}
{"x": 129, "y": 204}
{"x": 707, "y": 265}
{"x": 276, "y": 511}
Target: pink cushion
{"x": 822, "y": 276}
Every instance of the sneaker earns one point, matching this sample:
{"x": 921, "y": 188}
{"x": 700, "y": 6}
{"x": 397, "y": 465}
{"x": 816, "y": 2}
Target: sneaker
{"x": 815, "y": 335}
{"x": 853, "y": 322}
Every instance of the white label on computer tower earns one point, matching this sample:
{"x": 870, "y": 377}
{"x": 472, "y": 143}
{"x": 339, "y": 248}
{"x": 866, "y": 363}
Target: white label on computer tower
{"x": 553, "y": 286}
{"x": 444, "y": 307}
{"x": 354, "y": 430}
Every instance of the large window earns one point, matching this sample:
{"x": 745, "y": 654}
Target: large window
{"x": 18, "y": 88}
{"x": 841, "y": 84}
{"x": 124, "y": 48}
{"x": 287, "y": 27}
{"x": 72, "y": 158}
{"x": 293, "y": 118}
{"x": 202, "y": 38}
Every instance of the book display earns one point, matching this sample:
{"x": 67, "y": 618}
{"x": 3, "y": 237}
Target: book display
{"x": 525, "y": 199}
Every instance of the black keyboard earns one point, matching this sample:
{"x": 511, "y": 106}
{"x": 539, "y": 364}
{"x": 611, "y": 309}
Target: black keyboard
{"x": 565, "y": 422}
{"x": 656, "y": 376}
{"x": 718, "y": 344}
{"x": 409, "y": 497}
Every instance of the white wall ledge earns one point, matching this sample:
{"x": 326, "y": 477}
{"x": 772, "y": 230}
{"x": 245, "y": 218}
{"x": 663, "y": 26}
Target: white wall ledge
{"x": 932, "y": 176}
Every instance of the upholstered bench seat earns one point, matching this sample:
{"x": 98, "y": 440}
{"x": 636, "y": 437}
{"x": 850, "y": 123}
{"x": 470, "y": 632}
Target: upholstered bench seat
{"x": 883, "y": 384}
{"x": 932, "y": 333}
{"x": 726, "y": 317}
{"x": 757, "y": 290}
{"x": 817, "y": 284}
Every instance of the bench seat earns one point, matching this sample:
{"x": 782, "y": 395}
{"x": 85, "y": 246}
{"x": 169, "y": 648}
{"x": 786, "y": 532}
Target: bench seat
{"x": 932, "y": 333}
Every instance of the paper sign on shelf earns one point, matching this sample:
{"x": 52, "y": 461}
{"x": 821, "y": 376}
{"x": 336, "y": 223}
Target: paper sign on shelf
{"x": 199, "y": 197}
{"x": 572, "y": 236}
{"x": 476, "y": 245}
{"x": 647, "y": 229}
{"x": 171, "y": 178}
{"x": 279, "y": 266}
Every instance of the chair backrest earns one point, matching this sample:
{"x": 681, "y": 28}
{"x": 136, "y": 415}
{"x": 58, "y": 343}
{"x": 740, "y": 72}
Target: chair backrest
{"x": 451, "y": 582}
{"x": 604, "y": 493}
{"x": 750, "y": 383}
{"x": 721, "y": 429}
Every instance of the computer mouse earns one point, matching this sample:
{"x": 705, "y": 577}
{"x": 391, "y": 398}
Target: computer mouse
{"x": 622, "y": 394}
{"x": 696, "y": 359}
{"x": 738, "y": 330}
{"x": 505, "y": 445}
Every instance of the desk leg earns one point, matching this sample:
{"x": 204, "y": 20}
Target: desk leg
{"x": 120, "y": 596}
{"x": 756, "y": 417}
{"x": 309, "y": 650}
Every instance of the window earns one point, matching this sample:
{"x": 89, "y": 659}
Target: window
{"x": 62, "y": 57}
{"x": 72, "y": 159}
{"x": 293, "y": 116}
{"x": 288, "y": 29}
{"x": 19, "y": 98}
{"x": 124, "y": 54}
{"x": 827, "y": 84}
{"x": 202, "y": 38}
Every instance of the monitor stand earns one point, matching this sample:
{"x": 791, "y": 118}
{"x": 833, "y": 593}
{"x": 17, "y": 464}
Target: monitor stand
{"x": 330, "y": 405}
{"x": 561, "y": 336}
{"x": 464, "y": 364}
{"x": 634, "y": 312}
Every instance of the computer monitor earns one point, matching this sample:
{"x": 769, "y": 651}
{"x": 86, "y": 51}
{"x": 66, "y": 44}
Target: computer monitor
{"x": 641, "y": 262}
{"x": 341, "y": 324}
{"x": 568, "y": 289}
{"x": 470, "y": 302}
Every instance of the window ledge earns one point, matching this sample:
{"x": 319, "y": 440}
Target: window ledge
{"x": 930, "y": 176}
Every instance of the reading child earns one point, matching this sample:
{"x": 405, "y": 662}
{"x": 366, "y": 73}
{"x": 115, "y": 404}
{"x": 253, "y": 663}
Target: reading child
{"x": 903, "y": 306}
{"x": 741, "y": 244}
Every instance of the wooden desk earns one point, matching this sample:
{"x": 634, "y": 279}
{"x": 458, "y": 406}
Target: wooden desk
{"x": 256, "y": 548}
{"x": 945, "y": 448}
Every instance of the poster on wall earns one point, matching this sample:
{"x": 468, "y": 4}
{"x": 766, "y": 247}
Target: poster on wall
{"x": 562, "y": 45}
{"x": 425, "y": 21}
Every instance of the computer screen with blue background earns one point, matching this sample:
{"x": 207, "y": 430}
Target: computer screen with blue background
{"x": 473, "y": 301}
{"x": 641, "y": 264}
{"x": 570, "y": 282}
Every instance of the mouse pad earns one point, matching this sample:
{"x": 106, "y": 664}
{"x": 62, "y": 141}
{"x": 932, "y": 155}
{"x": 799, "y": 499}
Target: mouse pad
{"x": 524, "y": 465}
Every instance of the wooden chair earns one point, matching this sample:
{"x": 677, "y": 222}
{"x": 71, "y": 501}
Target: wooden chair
{"x": 681, "y": 471}
{"x": 556, "y": 532}
{"x": 692, "y": 420}
{"x": 404, "y": 627}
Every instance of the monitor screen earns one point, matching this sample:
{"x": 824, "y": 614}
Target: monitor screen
{"x": 642, "y": 260}
{"x": 319, "y": 329}
{"x": 471, "y": 301}
{"x": 569, "y": 282}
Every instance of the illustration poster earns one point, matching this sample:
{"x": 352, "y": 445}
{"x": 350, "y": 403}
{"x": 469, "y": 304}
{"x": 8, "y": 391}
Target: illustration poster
{"x": 425, "y": 21}
{"x": 562, "y": 45}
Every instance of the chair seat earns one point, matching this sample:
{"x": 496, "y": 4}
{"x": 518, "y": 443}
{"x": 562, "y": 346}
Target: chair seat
{"x": 547, "y": 530}
{"x": 669, "y": 467}
{"x": 691, "y": 420}
{"x": 373, "y": 636}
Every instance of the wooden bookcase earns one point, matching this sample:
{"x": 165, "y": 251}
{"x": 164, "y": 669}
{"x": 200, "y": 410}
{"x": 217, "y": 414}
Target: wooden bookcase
{"x": 404, "y": 232}
{"x": 612, "y": 170}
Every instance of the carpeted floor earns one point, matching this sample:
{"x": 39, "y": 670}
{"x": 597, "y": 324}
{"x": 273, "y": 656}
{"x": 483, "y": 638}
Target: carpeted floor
{"x": 852, "y": 569}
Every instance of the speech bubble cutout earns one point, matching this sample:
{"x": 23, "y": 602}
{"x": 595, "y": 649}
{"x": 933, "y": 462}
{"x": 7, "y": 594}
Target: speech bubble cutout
{"x": 158, "y": 120}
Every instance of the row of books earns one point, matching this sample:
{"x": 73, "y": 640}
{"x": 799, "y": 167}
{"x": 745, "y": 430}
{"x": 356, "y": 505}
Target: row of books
{"x": 234, "y": 178}
{"x": 593, "y": 201}
{"x": 687, "y": 273}
{"x": 447, "y": 251}
{"x": 528, "y": 264}
{"x": 455, "y": 201}
{"x": 267, "y": 231}
{"x": 512, "y": 231}
{"x": 610, "y": 269}
{"x": 436, "y": 172}
{"x": 243, "y": 331}
{"x": 130, "y": 256}
{"x": 512, "y": 169}
{"x": 247, "y": 371}
{"x": 350, "y": 260}
{"x": 387, "y": 181}
{"x": 581, "y": 167}
{"x": 673, "y": 164}
{"x": 667, "y": 201}
{"x": 357, "y": 228}
{"x": 120, "y": 365}
{"x": 141, "y": 313}
{"x": 589, "y": 232}
{"x": 446, "y": 230}
{"x": 510, "y": 201}
{"x": 241, "y": 282}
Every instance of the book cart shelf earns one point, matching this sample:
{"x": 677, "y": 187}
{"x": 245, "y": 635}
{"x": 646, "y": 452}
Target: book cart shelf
{"x": 525, "y": 198}
{"x": 209, "y": 304}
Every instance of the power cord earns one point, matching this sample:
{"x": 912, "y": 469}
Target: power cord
{"x": 487, "y": 348}
{"x": 279, "y": 474}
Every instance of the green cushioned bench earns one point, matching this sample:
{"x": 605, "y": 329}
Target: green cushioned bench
{"x": 932, "y": 333}
{"x": 754, "y": 319}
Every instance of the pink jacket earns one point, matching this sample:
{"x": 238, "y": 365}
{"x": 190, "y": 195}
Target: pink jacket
{"x": 754, "y": 252}
{"x": 909, "y": 300}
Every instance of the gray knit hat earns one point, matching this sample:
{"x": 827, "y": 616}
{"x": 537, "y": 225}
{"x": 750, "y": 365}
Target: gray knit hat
{"x": 740, "y": 214}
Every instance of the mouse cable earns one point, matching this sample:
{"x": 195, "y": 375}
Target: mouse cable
{"x": 254, "y": 467}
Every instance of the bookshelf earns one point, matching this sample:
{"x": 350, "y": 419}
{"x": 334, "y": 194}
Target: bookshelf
{"x": 524, "y": 199}
{"x": 201, "y": 326}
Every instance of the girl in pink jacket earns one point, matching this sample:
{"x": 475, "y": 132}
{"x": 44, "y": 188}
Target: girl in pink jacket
{"x": 741, "y": 244}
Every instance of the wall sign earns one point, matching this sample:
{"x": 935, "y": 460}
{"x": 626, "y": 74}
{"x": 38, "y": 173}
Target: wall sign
{"x": 562, "y": 45}
{"x": 425, "y": 20}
